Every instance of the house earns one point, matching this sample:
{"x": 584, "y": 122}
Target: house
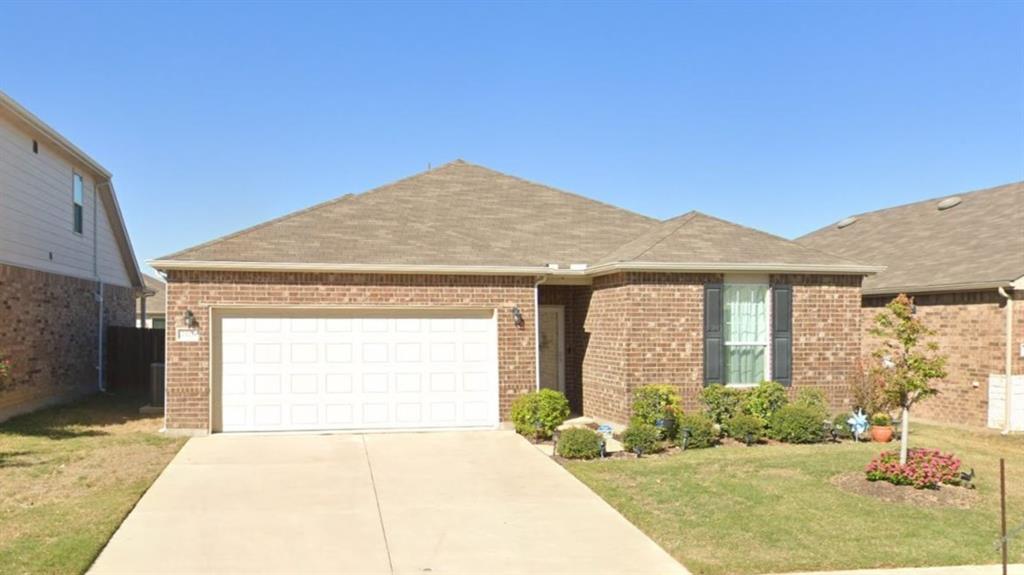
{"x": 962, "y": 258}
{"x": 67, "y": 269}
{"x": 150, "y": 310}
{"x": 435, "y": 301}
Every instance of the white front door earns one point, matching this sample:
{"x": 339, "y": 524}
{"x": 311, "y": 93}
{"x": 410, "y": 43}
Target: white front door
{"x": 359, "y": 372}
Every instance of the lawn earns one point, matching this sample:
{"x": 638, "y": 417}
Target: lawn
{"x": 68, "y": 477}
{"x": 773, "y": 509}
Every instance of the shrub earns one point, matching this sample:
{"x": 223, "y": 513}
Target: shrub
{"x": 842, "y": 426}
{"x": 925, "y": 468}
{"x": 641, "y": 438}
{"x": 881, "y": 420}
{"x": 741, "y": 426}
{"x": 764, "y": 400}
{"x": 537, "y": 414}
{"x": 579, "y": 443}
{"x": 652, "y": 403}
{"x": 798, "y": 424}
{"x": 813, "y": 398}
{"x": 701, "y": 429}
{"x": 722, "y": 402}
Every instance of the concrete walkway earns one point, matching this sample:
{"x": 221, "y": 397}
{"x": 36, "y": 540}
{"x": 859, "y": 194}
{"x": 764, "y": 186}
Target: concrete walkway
{"x": 438, "y": 503}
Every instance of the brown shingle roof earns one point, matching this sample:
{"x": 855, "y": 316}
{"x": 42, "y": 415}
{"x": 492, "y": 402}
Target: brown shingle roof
{"x": 979, "y": 242}
{"x": 700, "y": 238}
{"x": 464, "y": 215}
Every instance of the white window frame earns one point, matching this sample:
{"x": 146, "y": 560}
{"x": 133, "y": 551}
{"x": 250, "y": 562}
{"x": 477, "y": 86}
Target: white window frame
{"x": 759, "y": 280}
{"x": 77, "y": 204}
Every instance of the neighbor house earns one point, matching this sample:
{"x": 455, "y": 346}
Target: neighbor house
{"x": 150, "y": 310}
{"x": 962, "y": 258}
{"x": 435, "y": 301}
{"x": 66, "y": 264}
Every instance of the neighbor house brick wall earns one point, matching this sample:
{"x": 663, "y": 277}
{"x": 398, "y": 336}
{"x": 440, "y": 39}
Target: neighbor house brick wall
{"x": 647, "y": 328}
{"x": 49, "y": 335}
{"x": 188, "y": 364}
{"x": 970, "y": 330}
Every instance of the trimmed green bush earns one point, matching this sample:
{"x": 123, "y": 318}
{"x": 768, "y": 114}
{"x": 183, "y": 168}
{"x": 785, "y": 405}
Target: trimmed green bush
{"x": 741, "y": 425}
{"x": 537, "y": 414}
{"x": 813, "y": 398}
{"x": 641, "y": 438}
{"x": 765, "y": 399}
{"x": 722, "y": 402}
{"x": 798, "y": 424}
{"x": 842, "y": 427}
{"x": 579, "y": 443}
{"x": 702, "y": 431}
{"x": 656, "y": 402}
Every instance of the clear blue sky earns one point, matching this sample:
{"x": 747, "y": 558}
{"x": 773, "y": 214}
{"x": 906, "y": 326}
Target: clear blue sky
{"x": 780, "y": 116}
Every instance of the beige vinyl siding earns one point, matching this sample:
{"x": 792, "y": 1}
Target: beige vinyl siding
{"x": 36, "y": 215}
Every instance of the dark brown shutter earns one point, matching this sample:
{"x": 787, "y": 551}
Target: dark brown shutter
{"x": 782, "y": 334}
{"x": 714, "y": 344}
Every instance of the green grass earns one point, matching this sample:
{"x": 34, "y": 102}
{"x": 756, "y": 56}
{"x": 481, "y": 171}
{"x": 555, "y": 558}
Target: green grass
{"x": 772, "y": 508}
{"x": 69, "y": 476}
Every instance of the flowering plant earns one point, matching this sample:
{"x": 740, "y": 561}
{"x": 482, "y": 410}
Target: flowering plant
{"x": 924, "y": 469}
{"x": 5, "y": 369}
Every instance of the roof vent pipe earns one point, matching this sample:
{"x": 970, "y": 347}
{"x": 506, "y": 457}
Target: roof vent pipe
{"x": 949, "y": 203}
{"x": 847, "y": 222}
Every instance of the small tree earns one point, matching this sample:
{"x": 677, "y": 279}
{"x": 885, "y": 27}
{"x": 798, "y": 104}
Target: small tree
{"x": 907, "y": 365}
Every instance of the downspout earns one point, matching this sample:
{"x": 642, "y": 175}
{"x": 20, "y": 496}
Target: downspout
{"x": 1008, "y": 386}
{"x": 99, "y": 287}
{"x": 536, "y": 328}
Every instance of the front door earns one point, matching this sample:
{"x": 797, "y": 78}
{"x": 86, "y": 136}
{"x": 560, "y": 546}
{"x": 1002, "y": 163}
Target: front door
{"x": 552, "y": 347}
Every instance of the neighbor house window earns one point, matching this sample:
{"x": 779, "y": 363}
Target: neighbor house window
{"x": 746, "y": 332}
{"x": 77, "y": 202}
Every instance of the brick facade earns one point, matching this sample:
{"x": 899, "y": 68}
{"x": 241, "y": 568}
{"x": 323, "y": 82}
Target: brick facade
{"x": 49, "y": 334}
{"x": 188, "y": 366}
{"x": 647, "y": 328}
{"x": 970, "y": 329}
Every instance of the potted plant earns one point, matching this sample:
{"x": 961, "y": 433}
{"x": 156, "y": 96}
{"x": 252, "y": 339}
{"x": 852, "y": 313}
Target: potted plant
{"x": 881, "y": 428}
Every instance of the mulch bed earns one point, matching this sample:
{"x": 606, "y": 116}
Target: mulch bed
{"x": 944, "y": 496}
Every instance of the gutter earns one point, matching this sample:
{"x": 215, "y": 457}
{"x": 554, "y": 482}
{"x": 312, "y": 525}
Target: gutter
{"x": 598, "y": 270}
{"x": 1008, "y": 386}
{"x": 938, "y": 288}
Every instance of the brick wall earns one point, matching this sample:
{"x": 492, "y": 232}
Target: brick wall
{"x": 970, "y": 330}
{"x": 647, "y": 328}
{"x": 826, "y": 334}
{"x": 187, "y": 364}
{"x": 49, "y": 335}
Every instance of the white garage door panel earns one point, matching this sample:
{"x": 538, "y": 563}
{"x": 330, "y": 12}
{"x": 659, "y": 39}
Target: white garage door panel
{"x": 293, "y": 374}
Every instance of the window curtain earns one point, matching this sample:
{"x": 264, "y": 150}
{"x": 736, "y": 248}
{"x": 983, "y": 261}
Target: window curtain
{"x": 746, "y": 332}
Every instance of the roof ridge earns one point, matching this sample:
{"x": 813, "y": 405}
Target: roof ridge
{"x": 684, "y": 219}
{"x": 547, "y": 187}
{"x": 773, "y": 236}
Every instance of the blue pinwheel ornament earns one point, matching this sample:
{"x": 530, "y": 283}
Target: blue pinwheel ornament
{"x": 858, "y": 423}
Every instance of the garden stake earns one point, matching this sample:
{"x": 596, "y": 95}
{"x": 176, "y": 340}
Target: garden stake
{"x": 1002, "y": 510}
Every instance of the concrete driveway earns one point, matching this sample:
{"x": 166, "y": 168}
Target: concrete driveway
{"x": 459, "y": 502}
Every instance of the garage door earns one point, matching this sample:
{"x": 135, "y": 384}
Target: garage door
{"x": 370, "y": 372}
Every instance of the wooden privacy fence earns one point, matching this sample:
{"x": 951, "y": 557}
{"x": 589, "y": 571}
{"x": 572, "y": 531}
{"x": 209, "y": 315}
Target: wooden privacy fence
{"x": 129, "y": 353}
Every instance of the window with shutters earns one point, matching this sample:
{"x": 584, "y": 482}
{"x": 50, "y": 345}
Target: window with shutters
{"x": 746, "y": 332}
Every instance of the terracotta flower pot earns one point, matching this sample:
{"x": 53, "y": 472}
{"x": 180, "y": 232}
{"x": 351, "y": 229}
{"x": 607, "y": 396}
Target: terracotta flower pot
{"x": 881, "y": 433}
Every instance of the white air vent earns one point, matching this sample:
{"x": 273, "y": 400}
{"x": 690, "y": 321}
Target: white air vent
{"x": 949, "y": 203}
{"x": 847, "y": 222}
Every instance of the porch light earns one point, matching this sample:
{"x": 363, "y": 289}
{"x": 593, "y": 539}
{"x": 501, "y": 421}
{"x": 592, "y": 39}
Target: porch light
{"x": 189, "y": 319}
{"x": 517, "y": 316}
